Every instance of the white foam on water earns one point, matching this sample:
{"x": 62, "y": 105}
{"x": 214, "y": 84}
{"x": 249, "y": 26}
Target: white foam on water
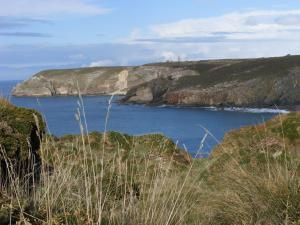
{"x": 257, "y": 110}
{"x": 212, "y": 108}
{"x": 231, "y": 109}
{"x": 162, "y": 106}
{"x": 248, "y": 110}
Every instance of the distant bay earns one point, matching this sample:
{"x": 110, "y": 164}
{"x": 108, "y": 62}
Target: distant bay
{"x": 185, "y": 125}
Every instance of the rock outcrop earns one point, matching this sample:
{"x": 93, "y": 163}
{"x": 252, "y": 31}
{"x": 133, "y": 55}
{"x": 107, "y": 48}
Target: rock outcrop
{"x": 258, "y": 82}
{"x": 95, "y": 81}
{"x": 21, "y": 132}
{"x": 245, "y": 83}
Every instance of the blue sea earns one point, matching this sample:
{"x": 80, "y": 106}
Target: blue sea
{"x": 185, "y": 125}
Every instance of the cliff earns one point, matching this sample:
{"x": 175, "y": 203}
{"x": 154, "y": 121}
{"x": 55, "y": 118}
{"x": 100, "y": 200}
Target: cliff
{"x": 258, "y": 82}
{"x": 94, "y": 81}
{"x": 250, "y": 82}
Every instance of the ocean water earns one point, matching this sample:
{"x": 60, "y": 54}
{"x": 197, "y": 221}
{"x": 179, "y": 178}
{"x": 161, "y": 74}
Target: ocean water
{"x": 185, "y": 125}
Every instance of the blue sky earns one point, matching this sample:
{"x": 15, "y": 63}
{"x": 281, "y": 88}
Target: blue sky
{"x": 38, "y": 34}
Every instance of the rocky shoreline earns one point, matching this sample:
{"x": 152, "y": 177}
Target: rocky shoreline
{"x": 254, "y": 109}
{"x": 252, "y": 83}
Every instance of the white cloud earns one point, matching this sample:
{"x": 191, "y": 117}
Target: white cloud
{"x": 40, "y": 57}
{"x": 135, "y": 33}
{"x": 101, "y": 63}
{"x": 28, "y": 65}
{"x": 246, "y": 34}
{"x": 239, "y": 25}
{"x": 77, "y": 56}
{"x": 169, "y": 55}
{"x": 48, "y": 7}
{"x": 202, "y": 51}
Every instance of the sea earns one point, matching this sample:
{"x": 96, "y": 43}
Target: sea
{"x": 196, "y": 129}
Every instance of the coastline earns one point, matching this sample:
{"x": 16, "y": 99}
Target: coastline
{"x": 250, "y": 109}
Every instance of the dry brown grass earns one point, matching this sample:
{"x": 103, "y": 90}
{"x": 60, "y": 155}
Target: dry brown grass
{"x": 107, "y": 185}
{"x": 119, "y": 192}
{"x": 78, "y": 192}
{"x": 4, "y": 102}
{"x": 241, "y": 196}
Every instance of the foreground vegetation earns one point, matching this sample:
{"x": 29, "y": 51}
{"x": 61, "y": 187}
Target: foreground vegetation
{"x": 109, "y": 178}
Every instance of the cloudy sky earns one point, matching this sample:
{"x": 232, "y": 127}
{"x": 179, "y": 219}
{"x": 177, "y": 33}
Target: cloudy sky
{"x": 39, "y": 34}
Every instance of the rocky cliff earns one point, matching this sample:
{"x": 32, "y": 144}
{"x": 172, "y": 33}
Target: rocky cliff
{"x": 258, "y": 82}
{"x": 250, "y": 82}
{"x": 95, "y": 81}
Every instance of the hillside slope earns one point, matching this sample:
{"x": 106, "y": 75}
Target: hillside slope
{"x": 94, "y": 81}
{"x": 250, "y": 82}
{"x": 258, "y": 82}
{"x": 253, "y": 176}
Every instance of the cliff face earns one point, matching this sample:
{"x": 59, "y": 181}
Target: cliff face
{"x": 250, "y": 82}
{"x": 94, "y": 81}
{"x": 246, "y": 82}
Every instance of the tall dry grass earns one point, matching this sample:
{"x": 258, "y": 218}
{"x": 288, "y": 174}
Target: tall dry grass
{"x": 244, "y": 196}
{"x": 92, "y": 186}
{"x": 89, "y": 185}
{"x": 4, "y": 102}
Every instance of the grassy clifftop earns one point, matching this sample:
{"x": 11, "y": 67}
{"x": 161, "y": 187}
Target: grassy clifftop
{"x": 255, "y": 175}
{"x": 242, "y": 70}
{"x": 93, "y": 81}
{"x": 272, "y": 137}
{"x": 261, "y": 82}
{"x": 218, "y": 71}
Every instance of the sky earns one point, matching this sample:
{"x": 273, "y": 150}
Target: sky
{"x": 36, "y": 34}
